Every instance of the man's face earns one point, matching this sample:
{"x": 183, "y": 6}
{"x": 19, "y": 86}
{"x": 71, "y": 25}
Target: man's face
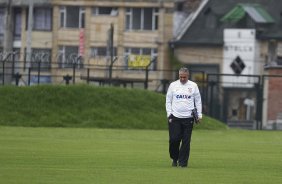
{"x": 183, "y": 77}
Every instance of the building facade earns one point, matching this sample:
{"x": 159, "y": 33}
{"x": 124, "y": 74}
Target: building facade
{"x": 237, "y": 44}
{"x": 125, "y": 36}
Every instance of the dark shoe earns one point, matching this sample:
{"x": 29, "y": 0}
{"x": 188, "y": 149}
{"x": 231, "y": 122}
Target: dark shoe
{"x": 174, "y": 163}
{"x": 183, "y": 165}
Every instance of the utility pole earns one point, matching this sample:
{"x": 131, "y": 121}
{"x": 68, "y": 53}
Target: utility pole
{"x": 8, "y": 43}
{"x": 29, "y": 31}
{"x": 110, "y": 49}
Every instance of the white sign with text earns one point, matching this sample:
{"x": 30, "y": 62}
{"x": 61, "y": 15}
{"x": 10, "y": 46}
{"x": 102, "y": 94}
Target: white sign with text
{"x": 239, "y": 57}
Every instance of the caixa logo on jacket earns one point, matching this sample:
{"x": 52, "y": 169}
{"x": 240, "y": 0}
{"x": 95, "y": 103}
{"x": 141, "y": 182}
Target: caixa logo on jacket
{"x": 183, "y": 96}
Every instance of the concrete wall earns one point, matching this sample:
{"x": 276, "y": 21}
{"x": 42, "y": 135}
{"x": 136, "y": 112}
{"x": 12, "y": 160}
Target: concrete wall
{"x": 200, "y": 55}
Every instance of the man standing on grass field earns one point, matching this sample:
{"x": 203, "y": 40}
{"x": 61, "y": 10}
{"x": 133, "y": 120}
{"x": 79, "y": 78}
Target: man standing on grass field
{"x": 182, "y": 97}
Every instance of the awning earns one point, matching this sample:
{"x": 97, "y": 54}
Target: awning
{"x": 255, "y": 11}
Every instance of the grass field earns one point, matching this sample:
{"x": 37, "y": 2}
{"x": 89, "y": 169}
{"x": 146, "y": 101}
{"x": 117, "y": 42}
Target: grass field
{"x": 103, "y": 156}
{"x": 85, "y": 106}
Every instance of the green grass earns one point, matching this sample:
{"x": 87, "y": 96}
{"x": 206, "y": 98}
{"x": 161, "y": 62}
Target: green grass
{"x": 86, "y": 106}
{"x": 89, "y": 155}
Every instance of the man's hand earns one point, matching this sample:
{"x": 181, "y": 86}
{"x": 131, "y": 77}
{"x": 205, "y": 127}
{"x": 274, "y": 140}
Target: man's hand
{"x": 194, "y": 114}
{"x": 170, "y": 118}
{"x": 198, "y": 120}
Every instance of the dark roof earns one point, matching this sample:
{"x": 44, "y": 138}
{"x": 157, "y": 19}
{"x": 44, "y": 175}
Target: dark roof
{"x": 208, "y": 26}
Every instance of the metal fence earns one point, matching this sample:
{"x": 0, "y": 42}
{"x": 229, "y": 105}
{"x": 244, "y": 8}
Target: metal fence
{"x": 73, "y": 70}
{"x": 243, "y": 101}
{"x": 239, "y": 100}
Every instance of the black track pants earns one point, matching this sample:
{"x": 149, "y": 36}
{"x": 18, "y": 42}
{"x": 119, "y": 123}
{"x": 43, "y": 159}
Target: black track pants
{"x": 180, "y": 131}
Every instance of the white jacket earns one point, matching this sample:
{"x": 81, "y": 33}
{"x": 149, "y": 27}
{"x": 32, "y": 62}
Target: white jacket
{"x": 180, "y": 99}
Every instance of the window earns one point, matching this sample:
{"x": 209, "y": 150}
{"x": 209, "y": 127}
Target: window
{"x": 68, "y": 56}
{"x": 112, "y": 11}
{"x": 18, "y": 24}
{"x": 42, "y": 57}
{"x": 81, "y": 18}
{"x": 210, "y": 19}
{"x": 279, "y": 53}
{"x": 42, "y": 19}
{"x": 72, "y": 17}
{"x": 2, "y": 15}
{"x": 279, "y": 60}
{"x": 101, "y": 51}
{"x": 179, "y": 6}
{"x": 280, "y": 19}
{"x": 272, "y": 51}
{"x": 141, "y": 57}
{"x": 250, "y": 23}
{"x": 142, "y": 19}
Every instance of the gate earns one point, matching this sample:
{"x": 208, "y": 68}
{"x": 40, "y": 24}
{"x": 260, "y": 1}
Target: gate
{"x": 234, "y": 99}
